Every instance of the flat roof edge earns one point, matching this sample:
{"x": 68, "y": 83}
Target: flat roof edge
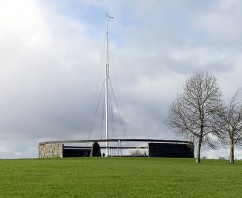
{"x": 114, "y": 140}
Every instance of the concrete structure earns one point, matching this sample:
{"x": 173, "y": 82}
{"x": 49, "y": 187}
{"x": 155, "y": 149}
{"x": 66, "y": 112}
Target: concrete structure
{"x": 154, "y": 147}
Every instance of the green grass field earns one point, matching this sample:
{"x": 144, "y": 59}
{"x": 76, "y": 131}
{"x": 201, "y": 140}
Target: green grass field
{"x": 119, "y": 177}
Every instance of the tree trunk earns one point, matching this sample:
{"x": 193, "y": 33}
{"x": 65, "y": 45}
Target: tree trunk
{"x": 198, "y": 150}
{"x": 232, "y": 152}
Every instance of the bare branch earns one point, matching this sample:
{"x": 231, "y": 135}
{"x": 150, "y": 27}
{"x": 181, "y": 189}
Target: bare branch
{"x": 194, "y": 113}
{"x": 231, "y": 123}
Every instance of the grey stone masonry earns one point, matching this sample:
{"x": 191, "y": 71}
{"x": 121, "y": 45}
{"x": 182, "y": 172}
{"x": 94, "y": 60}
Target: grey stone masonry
{"x": 51, "y": 150}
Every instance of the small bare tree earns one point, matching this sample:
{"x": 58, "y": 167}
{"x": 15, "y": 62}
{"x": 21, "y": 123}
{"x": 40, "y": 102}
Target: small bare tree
{"x": 136, "y": 153}
{"x": 193, "y": 113}
{"x": 231, "y": 124}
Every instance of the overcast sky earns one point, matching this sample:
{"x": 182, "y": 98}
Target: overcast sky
{"x": 51, "y": 64}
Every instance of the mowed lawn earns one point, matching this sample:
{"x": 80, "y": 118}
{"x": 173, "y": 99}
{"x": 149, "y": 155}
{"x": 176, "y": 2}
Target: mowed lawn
{"x": 119, "y": 177}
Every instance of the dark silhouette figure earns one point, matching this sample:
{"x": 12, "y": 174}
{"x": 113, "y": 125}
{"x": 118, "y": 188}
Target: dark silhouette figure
{"x": 95, "y": 151}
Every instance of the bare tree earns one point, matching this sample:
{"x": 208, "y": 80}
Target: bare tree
{"x": 193, "y": 113}
{"x": 231, "y": 124}
{"x": 136, "y": 153}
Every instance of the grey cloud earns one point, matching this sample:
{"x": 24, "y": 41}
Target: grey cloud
{"x": 49, "y": 71}
{"x": 221, "y": 23}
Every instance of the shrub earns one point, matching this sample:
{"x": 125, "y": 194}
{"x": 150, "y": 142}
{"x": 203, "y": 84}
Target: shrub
{"x": 95, "y": 151}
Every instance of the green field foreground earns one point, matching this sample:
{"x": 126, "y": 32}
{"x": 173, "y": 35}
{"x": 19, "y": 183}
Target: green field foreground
{"x": 119, "y": 177}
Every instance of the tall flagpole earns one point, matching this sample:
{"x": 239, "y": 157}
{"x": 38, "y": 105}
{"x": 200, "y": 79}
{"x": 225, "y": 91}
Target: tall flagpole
{"x": 106, "y": 84}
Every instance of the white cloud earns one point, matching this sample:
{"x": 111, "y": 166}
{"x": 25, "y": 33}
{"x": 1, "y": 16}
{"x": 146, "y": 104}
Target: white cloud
{"x": 49, "y": 64}
{"x": 45, "y": 59}
{"x": 222, "y": 21}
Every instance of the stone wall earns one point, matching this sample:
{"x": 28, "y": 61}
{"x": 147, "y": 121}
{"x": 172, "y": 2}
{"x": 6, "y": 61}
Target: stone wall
{"x": 50, "y": 150}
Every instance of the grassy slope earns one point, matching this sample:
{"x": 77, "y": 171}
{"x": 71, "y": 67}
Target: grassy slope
{"x": 119, "y": 177}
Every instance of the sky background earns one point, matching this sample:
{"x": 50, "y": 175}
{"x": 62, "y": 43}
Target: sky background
{"x": 51, "y": 64}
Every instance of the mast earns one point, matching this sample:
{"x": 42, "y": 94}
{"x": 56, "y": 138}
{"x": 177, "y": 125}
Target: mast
{"x": 106, "y": 85}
